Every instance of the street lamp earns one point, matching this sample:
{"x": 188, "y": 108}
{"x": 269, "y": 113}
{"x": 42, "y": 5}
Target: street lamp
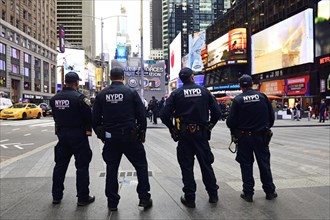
{"x": 102, "y": 25}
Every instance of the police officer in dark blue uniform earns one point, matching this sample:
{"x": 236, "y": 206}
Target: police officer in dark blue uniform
{"x": 119, "y": 120}
{"x": 190, "y": 105}
{"x": 73, "y": 124}
{"x": 250, "y": 119}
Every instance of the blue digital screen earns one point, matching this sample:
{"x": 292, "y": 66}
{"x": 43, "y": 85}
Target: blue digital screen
{"x": 199, "y": 80}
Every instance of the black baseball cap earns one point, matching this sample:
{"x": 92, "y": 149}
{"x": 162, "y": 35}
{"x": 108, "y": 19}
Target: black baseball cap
{"x": 185, "y": 73}
{"x": 72, "y": 77}
{"x": 245, "y": 80}
{"x": 117, "y": 71}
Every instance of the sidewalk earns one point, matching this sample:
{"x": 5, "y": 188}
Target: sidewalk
{"x": 302, "y": 183}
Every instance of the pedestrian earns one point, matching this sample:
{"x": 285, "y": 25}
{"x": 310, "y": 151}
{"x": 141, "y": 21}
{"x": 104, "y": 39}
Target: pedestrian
{"x": 250, "y": 118}
{"x": 73, "y": 125}
{"x": 297, "y": 111}
{"x": 323, "y": 111}
{"x": 119, "y": 120}
{"x": 190, "y": 106}
{"x": 154, "y": 106}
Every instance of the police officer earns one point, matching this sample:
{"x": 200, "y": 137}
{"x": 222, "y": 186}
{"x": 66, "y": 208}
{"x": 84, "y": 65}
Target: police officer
{"x": 250, "y": 118}
{"x": 190, "y": 105}
{"x": 73, "y": 125}
{"x": 119, "y": 120}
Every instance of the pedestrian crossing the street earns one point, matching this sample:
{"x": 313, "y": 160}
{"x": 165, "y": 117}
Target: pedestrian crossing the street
{"x": 30, "y": 123}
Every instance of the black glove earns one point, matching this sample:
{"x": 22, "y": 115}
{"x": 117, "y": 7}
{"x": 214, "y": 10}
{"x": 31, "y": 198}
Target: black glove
{"x": 174, "y": 134}
{"x": 142, "y": 136}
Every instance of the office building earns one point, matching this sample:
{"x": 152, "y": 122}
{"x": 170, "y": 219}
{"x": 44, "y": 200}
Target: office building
{"x": 78, "y": 19}
{"x": 28, "y": 43}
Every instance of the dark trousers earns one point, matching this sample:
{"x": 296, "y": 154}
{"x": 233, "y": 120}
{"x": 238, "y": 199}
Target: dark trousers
{"x": 246, "y": 147}
{"x": 154, "y": 116}
{"x": 72, "y": 141}
{"x": 189, "y": 146}
{"x": 135, "y": 153}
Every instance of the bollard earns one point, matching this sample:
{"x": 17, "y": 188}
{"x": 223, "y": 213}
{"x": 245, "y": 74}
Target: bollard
{"x": 309, "y": 116}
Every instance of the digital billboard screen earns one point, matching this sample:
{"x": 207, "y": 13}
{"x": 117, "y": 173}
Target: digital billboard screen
{"x": 175, "y": 57}
{"x": 322, "y": 30}
{"x": 121, "y": 53}
{"x": 199, "y": 80}
{"x": 284, "y": 44}
{"x": 228, "y": 49}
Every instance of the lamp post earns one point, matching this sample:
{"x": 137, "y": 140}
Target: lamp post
{"x": 142, "y": 63}
{"x": 102, "y": 26}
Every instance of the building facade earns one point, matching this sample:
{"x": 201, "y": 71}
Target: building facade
{"x": 282, "y": 42}
{"x": 28, "y": 53}
{"x": 78, "y": 19}
{"x": 156, "y": 25}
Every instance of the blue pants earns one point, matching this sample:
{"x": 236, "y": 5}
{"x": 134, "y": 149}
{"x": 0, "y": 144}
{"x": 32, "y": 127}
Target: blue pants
{"x": 246, "y": 147}
{"x": 72, "y": 141}
{"x": 189, "y": 146}
{"x": 135, "y": 153}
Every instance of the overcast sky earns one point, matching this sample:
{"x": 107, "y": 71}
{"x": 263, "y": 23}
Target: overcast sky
{"x": 106, "y": 8}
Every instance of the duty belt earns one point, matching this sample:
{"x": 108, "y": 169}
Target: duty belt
{"x": 193, "y": 128}
{"x": 252, "y": 133}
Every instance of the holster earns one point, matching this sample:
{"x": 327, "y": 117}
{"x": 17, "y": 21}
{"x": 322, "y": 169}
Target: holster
{"x": 268, "y": 136}
{"x": 100, "y": 133}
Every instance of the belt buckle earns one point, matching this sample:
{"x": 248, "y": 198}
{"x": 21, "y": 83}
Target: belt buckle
{"x": 192, "y": 128}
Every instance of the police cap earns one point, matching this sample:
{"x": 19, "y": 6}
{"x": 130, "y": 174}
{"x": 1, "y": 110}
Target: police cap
{"x": 72, "y": 77}
{"x": 245, "y": 80}
{"x": 117, "y": 72}
{"x": 185, "y": 73}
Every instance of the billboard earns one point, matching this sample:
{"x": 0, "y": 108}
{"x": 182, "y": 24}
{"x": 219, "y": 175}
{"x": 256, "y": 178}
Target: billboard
{"x": 196, "y": 45}
{"x": 199, "y": 80}
{"x": 275, "y": 87}
{"x": 72, "y": 60}
{"x": 154, "y": 74}
{"x": 121, "y": 53}
{"x": 322, "y": 30}
{"x": 228, "y": 49}
{"x": 297, "y": 86}
{"x": 285, "y": 44}
{"x": 175, "y": 57}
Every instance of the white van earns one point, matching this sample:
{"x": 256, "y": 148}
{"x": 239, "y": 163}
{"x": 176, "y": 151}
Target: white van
{"x": 5, "y": 103}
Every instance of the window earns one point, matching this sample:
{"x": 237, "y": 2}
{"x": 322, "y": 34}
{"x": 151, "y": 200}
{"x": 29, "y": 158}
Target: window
{"x": 2, "y": 65}
{"x": 27, "y": 71}
{"x": 15, "y": 68}
{"x": 14, "y": 53}
{"x": 27, "y": 58}
{"x": 2, "y": 48}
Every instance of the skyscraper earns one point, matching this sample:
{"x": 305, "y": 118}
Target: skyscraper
{"x": 156, "y": 24}
{"x": 78, "y": 19}
{"x": 187, "y": 17}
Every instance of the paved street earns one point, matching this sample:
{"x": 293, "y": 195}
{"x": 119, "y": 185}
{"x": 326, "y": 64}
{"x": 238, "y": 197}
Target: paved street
{"x": 300, "y": 164}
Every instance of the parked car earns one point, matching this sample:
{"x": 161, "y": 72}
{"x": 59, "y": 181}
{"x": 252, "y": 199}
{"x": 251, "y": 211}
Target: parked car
{"x": 5, "y": 103}
{"x": 21, "y": 111}
{"x": 46, "y": 110}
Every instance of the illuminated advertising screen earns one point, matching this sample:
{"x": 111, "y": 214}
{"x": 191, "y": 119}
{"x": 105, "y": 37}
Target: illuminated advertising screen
{"x": 228, "y": 49}
{"x": 196, "y": 45}
{"x": 284, "y": 44}
{"x": 297, "y": 86}
{"x": 121, "y": 53}
{"x": 322, "y": 30}
{"x": 275, "y": 87}
{"x": 175, "y": 57}
{"x": 199, "y": 80}
{"x": 72, "y": 60}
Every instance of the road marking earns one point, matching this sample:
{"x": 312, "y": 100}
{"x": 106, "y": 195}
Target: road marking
{"x": 44, "y": 130}
{"x": 15, "y": 129}
{"x": 3, "y": 140}
{"x": 13, "y": 160}
{"x": 18, "y": 147}
{"x": 27, "y": 134}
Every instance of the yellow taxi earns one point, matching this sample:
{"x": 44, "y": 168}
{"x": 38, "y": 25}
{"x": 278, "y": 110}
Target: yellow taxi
{"x": 21, "y": 111}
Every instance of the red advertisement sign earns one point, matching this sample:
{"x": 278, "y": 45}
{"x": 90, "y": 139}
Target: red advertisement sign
{"x": 297, "y": 86}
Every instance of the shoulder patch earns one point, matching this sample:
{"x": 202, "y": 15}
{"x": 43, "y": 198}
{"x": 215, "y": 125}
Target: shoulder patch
{"x": 87, "y": 101}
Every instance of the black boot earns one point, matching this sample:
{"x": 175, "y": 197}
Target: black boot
{"x": 86, "y": 201}
{"x": 189, "y": 204}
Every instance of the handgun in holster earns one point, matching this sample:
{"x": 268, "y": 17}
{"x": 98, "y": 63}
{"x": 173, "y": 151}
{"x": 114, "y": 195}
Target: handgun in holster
{"x": 100, "y": 133}
{"x": 268, "y": 136}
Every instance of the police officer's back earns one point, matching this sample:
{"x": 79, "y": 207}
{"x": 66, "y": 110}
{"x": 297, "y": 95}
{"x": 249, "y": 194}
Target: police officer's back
{"x": 190, "y": 106}
{"x": 73, "y": 125}
{"x": 119, "y": 120}
{"x": 250, "y": 118}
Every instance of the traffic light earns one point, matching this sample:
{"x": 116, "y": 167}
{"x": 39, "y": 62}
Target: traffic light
{"x": 62, "y": 38}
